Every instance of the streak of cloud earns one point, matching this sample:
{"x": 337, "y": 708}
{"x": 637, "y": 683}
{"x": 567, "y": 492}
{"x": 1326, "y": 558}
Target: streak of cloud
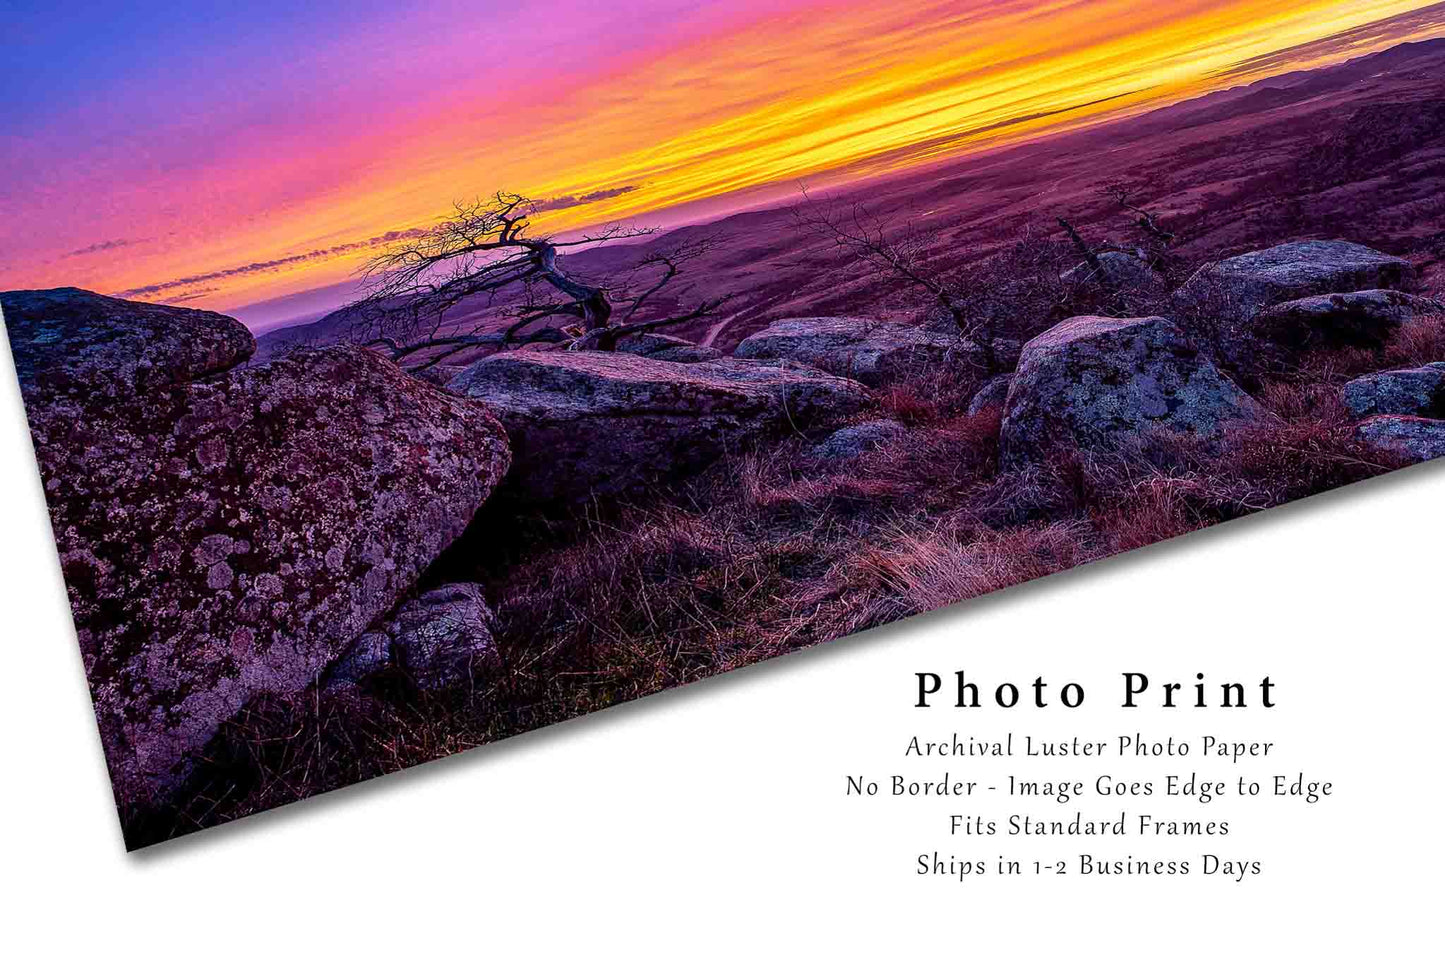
{"x": 677, "y": 103}
{"x": 571, "y": 201}
{"x": 275, "y": 264}
{"x": 100, "y": 246}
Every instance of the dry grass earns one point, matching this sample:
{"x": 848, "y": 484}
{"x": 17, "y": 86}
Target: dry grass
{"x": 1415, "y": 343}
{"x": 939, "y": 565}
{"x": 773, "y": 551}
{"x": 934, "y": 395}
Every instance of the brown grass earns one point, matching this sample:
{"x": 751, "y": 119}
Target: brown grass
{"x": 1415, "y": 343}
{"x": 933, "y": 395}
{"x": 939, "y": 565}
{"x": 775, "y": 550}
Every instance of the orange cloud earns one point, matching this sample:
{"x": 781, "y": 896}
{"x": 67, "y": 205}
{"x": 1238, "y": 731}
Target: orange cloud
{"x": 850, "y": 85}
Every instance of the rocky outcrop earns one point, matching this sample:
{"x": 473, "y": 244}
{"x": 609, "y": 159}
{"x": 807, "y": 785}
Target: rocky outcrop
{"x": 855, "y": 440}
{"x": 1358, "y": 319}
{"x": 994, "y": 394}
{"x": 1242, "y": 286}
{"x": 1413, "y": 439}
{"x": 1099, "y": 383}
{"x": 229, "y": 538}
{"x": 1406, "y": 392}
{"x": 666, "y": 348}
{"x": 872, "y": 352}
{"x": 609, "y": 423}
{"x": 1411, "y": 391}
{"x": 1117, "y": 270}
{"x": 440, "y": 638}
{"x": 72, "y": 342}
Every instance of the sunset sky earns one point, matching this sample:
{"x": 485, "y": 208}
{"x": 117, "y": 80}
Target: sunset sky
{"x": 232, "y": 152}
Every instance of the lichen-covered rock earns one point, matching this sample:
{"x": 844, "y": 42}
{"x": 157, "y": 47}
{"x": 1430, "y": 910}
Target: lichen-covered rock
{"x": 67, "y": 341}
{"x": 230, "y": 538}
{"x": 651, "y": 344}
{"x": 1414, "y": 439}
{"x": 854, "y": 440}
{"x": 440, "y": 638}
{"x": 872, "y": 352}
{"x": 1356, "y": 319}
{"x": 1101, "y": 383}
{"x": 608, "y": 423}
{"x": 1117, "y": 269}
{"x": 994, "y": 394}
{"x": 1242, "y": 286}
{"x": 1411, "y": 391}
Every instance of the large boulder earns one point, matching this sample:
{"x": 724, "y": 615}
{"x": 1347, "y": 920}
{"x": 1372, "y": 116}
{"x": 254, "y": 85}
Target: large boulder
{"x": 1242, "y": 286}
{"x": 1407, "y": 437}
{"x": 1101, "y": 383}
{"x": 70, "y": 341}
{"x": 230, "y": 538}
{"x": 872, "y": 352}
{"x": 1411, "y": 391}
{"x": 440, "y": 638}
{"x": 1356, "y": 319}
{"x": 609, "y": 423}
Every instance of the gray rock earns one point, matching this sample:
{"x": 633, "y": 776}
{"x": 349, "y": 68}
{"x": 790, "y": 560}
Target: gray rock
{"x": 854, "y": 440}
{"x": 230, "y": 538}
{"x": 1102, "y": 383}
{"x": 1415, "y": 439}
{"x": 369, "y": 655}
{"x": 666, "y": 348}
{"x": 1005, "y": 350}
{"x": 440, "y": 638}
{"x": 872, "y": 352}
{"x": 1242, "y": 286}
{"x": 1412, "y": 391}
{"x": 607, "y": 423}
{"x": 994, "y": 394}
{"x": 1358, "y": 319}
{"x": 1119, "y": 270}
{"x": 68, "y": 341}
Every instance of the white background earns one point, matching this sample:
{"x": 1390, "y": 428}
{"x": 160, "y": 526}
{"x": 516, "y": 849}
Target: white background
{"x": 712, "y": 821}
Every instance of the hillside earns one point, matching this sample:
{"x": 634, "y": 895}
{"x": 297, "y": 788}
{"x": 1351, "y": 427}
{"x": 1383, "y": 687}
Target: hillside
{"x": 1349, "y": 151}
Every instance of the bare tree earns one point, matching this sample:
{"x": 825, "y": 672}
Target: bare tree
{"x": 1091, "y": 256}
{"x": 483, "y": 257}
{"x": 897, "y": 253}
{"x": 1156, "y": 239}
{"x": 986, "y": 300}
{"x": 1146, "y": 222}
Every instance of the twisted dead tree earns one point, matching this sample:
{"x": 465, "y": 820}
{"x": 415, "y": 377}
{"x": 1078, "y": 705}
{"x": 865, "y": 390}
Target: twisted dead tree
{"x": 443, "y": 291}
